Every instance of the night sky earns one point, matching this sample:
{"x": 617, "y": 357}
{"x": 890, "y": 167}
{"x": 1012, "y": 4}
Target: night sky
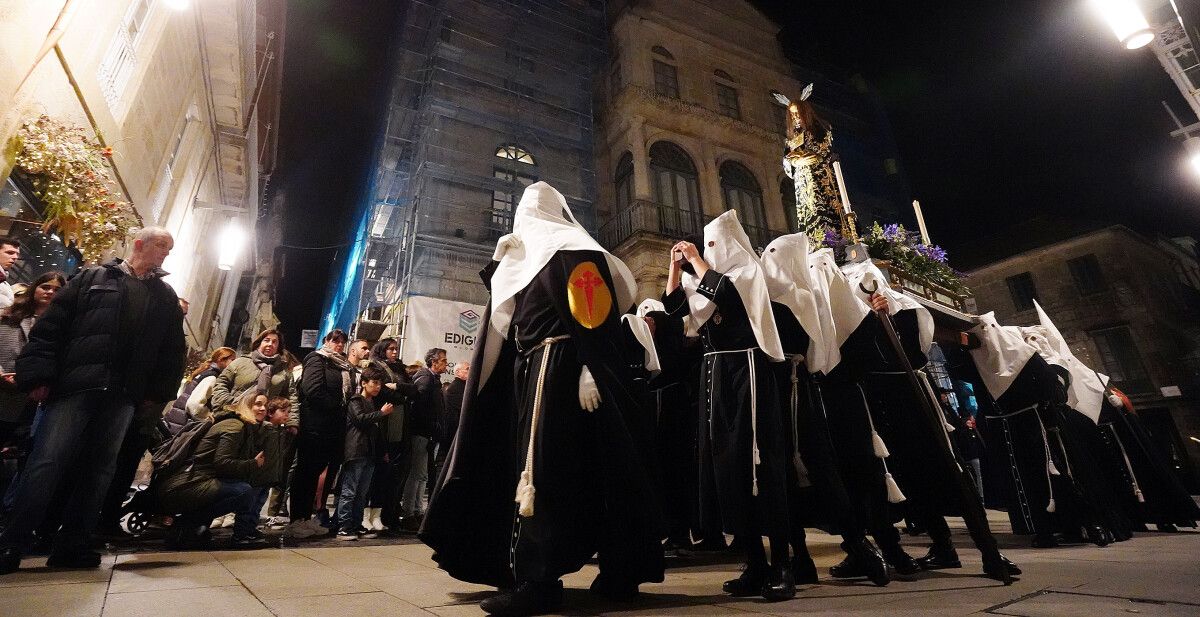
{"x": 1002, "y": 111}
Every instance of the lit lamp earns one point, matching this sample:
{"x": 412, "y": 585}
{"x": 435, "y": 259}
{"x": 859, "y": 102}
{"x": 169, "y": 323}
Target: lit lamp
{"x": 1192, "y": 144}
{"x": 178, "y": 5}
{"x": 231, "y": 241}
{"x": 1126, "y": 21}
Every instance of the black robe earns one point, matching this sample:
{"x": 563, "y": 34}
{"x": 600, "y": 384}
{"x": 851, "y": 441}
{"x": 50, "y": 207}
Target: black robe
{"x": 727, "y": 468}
{"x": 592, "y": 491}
{"x": 1136, "y": 464}
{"x": 847, "y": 414}
{"x": 817, "y": 496}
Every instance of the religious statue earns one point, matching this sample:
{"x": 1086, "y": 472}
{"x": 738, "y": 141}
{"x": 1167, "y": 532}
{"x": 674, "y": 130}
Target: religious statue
{"x": 809, "y": 162}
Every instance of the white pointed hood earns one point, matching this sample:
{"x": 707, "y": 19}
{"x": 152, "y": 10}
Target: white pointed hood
{"x": 840, "y": 310}
{"x": 1002, "y": 353}
{"x": 641, "y": 331}
{"x": 728, "y": 250}
{"x": 866, "y": 273}
{"x": 543, "y": 225}
{"x": 1086, "y": 394}
{"x": 789, "y": 281}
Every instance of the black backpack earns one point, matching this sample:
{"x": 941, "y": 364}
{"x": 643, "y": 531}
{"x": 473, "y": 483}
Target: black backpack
{"x": 178, "y": 451}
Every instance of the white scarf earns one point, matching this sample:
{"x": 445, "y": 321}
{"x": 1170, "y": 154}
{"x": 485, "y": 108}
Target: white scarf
{"x": 728, "y": 251}
{"x": 1002, "y": 353}
{"x": 641, "y": 331}
{"x": 840, "y": 310}
{"x": 1086, "y": 393}
{"x": 542, "y": 226}
{"x": 866, "y": 272}
{"x": 789, "y": 281}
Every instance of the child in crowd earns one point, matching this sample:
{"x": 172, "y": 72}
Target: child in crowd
{"x": 362, "y": 448}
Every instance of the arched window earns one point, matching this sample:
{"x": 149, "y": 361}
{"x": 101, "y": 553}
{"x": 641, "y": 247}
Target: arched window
{"x": 510, "y": 183}
{"x": 624, "y": 182}
{"x": 676, "y": 189}
{"x": 787, "y": 190}
{"x": 666, "y": 76}
{"x": 742, "y": 193}
{"x": 514, "y": 152}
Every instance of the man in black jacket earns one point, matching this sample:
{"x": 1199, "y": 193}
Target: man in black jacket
{"x": 422, "y": 416}
{"x": 112, "y": 340}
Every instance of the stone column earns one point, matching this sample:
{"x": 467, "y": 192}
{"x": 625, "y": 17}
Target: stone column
{"x": 641, "y": 159}
{"x": 710, "y": 181}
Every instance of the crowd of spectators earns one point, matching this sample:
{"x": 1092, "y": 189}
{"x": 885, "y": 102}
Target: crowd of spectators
{"x": 93, "y": 388}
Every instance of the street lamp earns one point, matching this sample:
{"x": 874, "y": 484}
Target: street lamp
{"x": 178, "y": 5}
{"x": 1126, "y": 21}
{"x": 231, "y": 241}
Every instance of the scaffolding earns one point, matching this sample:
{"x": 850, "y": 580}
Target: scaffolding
{"x": 487, "y": 97}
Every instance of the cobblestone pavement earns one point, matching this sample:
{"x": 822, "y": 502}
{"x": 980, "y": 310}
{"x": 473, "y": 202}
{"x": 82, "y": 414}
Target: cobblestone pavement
{"x": 1154, "y": 574}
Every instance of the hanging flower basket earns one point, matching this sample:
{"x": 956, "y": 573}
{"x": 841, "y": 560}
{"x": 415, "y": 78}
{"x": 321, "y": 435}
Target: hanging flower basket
{"x": 69, "y": 174}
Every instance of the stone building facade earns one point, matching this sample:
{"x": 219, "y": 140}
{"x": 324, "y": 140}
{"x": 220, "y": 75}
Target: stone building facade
{"x": 173, "y": 92}
{"x": 687, "y": 129}
{"x": 1129, "y": 307}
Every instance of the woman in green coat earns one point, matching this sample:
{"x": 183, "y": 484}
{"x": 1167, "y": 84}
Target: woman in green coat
{"x": 218, "y": 480}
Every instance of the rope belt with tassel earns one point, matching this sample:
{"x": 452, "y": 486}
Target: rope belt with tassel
{"x": 525, "y": 489}
{"x": 756, "y": 458}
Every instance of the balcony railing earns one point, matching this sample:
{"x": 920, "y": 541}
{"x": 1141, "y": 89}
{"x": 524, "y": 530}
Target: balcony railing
{"x": 647, "y": 217}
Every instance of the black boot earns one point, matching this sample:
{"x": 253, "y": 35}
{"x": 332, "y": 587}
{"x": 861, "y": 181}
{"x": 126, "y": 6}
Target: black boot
{"x": 862, "y": 559}
{"x": 803, "y": 569}
{"x": 10, "y": 560}
{"x": 1099, "y": 536}
{"x": 74, "y": 559}
{"x": 779, "y": 585}
{"x": 614, "y": 588}
{"x": 1000, "y": 568}
{"x": 939, "y": 558}
{"x": 900, "y": 561}
{"x": 750, "y": 583}
{"x": 1044, "y": 540}
{"x": 529, "y": 598}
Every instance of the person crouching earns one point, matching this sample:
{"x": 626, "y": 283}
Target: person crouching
{"x": 362, "y": 449}
{"x": 218, "y": 479}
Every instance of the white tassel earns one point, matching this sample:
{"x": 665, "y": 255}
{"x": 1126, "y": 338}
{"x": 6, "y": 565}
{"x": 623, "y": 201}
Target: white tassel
{"x": 1141, "y": 498}
{"x": 801, "y": 471}
{"x": 754, "y": 489}
{"x": 949, "y": 427}
{"x": 893, "y": 489}
{"x": 1051, "y": 507}
{"x": 881, "y": 450}
{"x": 1053, "y": 470}
{"x": 525, "y": 492}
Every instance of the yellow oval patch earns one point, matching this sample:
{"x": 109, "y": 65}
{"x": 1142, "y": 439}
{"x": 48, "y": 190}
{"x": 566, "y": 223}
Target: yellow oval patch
{"x": 588, "y": 295}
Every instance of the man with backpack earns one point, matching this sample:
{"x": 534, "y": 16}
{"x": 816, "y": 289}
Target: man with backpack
{"x": 111, "y": 341}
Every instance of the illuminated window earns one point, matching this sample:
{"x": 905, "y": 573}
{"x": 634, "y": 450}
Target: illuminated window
{"x": 515, "y": 153}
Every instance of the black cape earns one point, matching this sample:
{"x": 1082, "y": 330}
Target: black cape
{"x": 592, "y": 493}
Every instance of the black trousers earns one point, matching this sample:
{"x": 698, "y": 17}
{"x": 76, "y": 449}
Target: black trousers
{"x": 313, "y": 455}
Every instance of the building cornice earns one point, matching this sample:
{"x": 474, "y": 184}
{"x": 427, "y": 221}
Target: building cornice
{"x": 632, "y": 95}
{"x": 1111, "y": 229}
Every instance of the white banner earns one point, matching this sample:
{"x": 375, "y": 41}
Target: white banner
{"x": 433, "y": 322}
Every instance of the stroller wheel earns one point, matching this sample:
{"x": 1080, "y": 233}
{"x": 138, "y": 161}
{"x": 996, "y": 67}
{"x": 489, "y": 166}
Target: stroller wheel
{"x": 136, "y": 523}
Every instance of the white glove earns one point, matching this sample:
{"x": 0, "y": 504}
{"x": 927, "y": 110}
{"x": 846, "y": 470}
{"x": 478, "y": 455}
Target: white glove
{"x": 507, "y": 241}
{"x": 589, "y": 394}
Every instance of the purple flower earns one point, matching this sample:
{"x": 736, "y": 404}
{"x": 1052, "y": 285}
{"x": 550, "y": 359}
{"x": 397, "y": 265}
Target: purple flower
{"x": 892, "y": 232}
{"x": 934, "y": 253}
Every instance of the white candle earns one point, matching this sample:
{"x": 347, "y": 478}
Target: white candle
{"x": 921, "y": 223}
{"x": 837, "y": 171}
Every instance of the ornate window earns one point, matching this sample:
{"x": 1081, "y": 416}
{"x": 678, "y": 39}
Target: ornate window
{"x": 515, "y": 153}
{"x": 666, "y": 80}
{"x": 727, "y": 101}
{"x": 624, "y": 182}
{"x": 742, "y": 193}
{"x": 676, "y": 189}
{"x": 1022, "y": 290}
{"x": 504, "y": 200}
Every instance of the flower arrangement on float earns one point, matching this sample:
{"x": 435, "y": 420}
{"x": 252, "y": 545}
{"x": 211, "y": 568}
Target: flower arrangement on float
{"x": 904, "y": 251}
